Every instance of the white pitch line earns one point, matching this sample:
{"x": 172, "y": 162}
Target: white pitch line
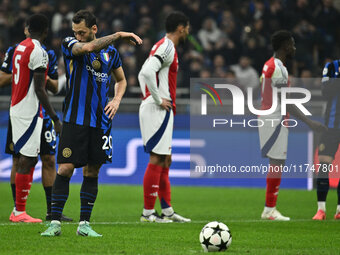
{"x": 141, "y": 223}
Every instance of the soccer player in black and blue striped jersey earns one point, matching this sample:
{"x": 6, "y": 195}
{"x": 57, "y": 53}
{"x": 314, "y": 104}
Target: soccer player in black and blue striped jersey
{"x": 330, "y": 139}
{"x": 85, "y": 138}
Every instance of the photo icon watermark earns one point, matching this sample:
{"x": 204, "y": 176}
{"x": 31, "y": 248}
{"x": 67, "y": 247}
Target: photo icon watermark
{"x": 242, "y": 127}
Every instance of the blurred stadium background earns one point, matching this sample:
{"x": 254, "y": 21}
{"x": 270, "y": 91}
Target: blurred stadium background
{"x": 229, "y": 39}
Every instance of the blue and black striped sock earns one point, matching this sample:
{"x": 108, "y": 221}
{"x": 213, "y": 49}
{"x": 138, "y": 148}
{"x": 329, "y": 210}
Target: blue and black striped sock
{"x": 88, "y": 195}
{"x": 60, "y": 192}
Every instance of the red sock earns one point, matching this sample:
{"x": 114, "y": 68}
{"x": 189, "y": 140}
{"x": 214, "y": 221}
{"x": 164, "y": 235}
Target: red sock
{"x": 151, "y": 185}
{"x": 164, "y": 189}
{"x": 22, "y": 188}
{"x": 273, "y": 185}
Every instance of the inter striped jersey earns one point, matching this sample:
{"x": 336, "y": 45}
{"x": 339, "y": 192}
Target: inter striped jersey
{"x": 52, "y": 66}
{"x": 330, "y": 72}
{"x": 87, "y": 84}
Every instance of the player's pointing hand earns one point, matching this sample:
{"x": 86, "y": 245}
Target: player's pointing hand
{"x": 131, "y": 38}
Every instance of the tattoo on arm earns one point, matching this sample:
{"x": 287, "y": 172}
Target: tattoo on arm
{"x": 103, "y": 42}
{"x": 95, "y": 45}
{"x": 78, "y": 49}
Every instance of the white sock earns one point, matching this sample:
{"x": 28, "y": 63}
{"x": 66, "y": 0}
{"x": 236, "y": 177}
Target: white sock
{"x": 148, "y": 212}
{"x": 168, "y": 211}
{"x": 268, "y": 209}
{"x": 16, "y": 213}
{"x": 55, "y": 222}
{"x": 322, "y": 206}
{"x": 83, "y": 222}
{"x": 338, "y": 209}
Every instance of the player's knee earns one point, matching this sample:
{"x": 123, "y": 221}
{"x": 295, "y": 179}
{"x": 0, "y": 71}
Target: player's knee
{"x": 25, "y": 164}
{"x": 168, "y": 161}
{"x": 91, "y": 171}
{"x": 66, "y": 170}
{"x": 48, "y": 162}
{"x": 157, "y": 159}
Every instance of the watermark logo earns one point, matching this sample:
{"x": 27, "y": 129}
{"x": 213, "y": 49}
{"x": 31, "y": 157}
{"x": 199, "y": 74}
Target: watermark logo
{"x": 204, "y": 97}
{"x": 238, "y": 99}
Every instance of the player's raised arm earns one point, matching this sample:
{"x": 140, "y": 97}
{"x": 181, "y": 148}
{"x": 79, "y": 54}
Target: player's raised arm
{"x": 112, "y": 107}
{"x": 81, "y": 48}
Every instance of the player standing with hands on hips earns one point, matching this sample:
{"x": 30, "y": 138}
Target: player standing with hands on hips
{"x": 158, "y": 82}
{"x": 85, "y": 139}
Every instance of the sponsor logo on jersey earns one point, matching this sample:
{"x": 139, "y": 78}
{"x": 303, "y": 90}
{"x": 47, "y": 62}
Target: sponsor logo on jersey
{"x": 100, "y": 77}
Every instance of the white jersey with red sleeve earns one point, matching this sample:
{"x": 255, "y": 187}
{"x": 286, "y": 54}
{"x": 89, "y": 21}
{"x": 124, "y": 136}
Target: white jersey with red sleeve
{"x": 274, "y": 74}
{"x": 28, "y": 57}
{"x": 158, "y": 76}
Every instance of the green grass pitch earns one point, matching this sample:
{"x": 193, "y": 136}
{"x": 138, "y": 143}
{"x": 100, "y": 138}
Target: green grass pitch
{"x": 118, "y": 208}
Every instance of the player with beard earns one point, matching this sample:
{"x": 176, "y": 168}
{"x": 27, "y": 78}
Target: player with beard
{"x": 86, "y": 139}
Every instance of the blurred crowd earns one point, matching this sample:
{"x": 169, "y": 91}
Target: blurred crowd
{"x": 228, "y": 38}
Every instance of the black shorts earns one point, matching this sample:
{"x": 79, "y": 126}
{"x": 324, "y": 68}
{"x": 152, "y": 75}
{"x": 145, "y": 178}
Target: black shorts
{"x": 48, "y": 139}
{"x": 329, "y": 142}
{"x": 82, "y": 145}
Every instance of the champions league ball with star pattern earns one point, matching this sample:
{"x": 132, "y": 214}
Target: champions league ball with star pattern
{"x": 215, "y": 236}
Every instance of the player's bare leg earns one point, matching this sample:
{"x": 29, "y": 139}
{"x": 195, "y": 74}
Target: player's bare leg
{"x": 322, "y": 187}
{"x": 49, "y": 173}
{"x": 23, "y": 182}
{"x": 273, "y": 185}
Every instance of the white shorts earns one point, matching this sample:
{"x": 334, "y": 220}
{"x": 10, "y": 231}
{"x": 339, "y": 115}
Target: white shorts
{"x": 156, "y": 125}
{"x": 273, "y": 139}
{"x": 26, "y": 135}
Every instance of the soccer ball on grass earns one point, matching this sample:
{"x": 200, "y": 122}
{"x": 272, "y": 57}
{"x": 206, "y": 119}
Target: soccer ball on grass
{"x": 215, "y": 236}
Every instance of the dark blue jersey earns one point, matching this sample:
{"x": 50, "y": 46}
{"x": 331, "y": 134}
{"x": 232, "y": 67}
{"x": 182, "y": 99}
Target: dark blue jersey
{"x": 52, "y": 71}
{"x": 87, "y": 84}
{"x": 7, "y": 64}
{"x": 331, "y": 92}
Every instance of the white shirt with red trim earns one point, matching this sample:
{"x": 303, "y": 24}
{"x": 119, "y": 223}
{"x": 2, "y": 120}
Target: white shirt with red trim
{"x": 274, "y": 74}
{"x": 28, "y": 56}
{"x": 158, "y": 76}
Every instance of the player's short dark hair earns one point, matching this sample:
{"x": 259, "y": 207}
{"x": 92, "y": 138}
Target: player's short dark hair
{"x": 37, "y": 24}
{"x": 279, "y": 38}
{"x": 87, "y": 16}
{"x": 175, "y": 19}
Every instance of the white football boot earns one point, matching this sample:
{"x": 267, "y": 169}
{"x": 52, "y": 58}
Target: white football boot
{"x": 273, "y": 214}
